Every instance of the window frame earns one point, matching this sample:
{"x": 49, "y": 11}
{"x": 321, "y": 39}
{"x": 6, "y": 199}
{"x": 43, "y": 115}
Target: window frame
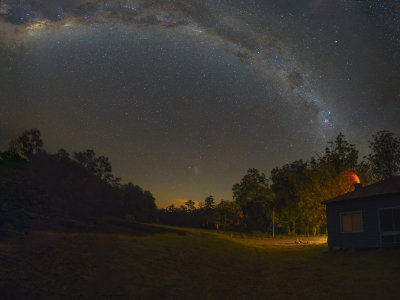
{"x": 351, "y": 212}
{"x": 385, "y": 233}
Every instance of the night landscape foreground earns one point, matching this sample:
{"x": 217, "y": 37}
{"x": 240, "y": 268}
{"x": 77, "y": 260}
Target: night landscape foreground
{"x": 117, "y": 259}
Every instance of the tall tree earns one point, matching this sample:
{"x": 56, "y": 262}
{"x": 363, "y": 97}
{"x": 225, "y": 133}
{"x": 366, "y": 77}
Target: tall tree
{"x": 209, "y": 202}
{"x": 285, "y": 185}
{"x": 208, "y": 211}
{"x": 254, "y": 196}
{"x": 384, "y": 159}
{"x": 325, "y": 179}
{"x": 340, "y": 155}
{"x": 253, "y": 187}
{"x": 27, "y": 144}
{"x": 320, "y": 184}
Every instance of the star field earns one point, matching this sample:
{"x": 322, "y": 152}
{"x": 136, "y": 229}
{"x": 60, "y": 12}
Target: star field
{"x": 185, "y": 96}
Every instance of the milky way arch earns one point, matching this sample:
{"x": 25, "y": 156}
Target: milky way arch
{"x": 215, "y": 20}
{"x": 193, "y": 90}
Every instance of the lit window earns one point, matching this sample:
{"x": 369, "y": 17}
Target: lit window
{"x": 351, "y": 222}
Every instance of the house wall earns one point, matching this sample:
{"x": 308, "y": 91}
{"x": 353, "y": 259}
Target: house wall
{"x": 370, "y": 237}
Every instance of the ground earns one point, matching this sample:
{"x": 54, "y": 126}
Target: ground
{"x": 167, "y": 262}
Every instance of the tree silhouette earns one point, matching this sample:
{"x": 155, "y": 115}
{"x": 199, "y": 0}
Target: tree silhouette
{"x": 286, "y": 181}
{"x": 254, "y": 196}
{"x": 190, "y": 204}
{"x": 62, "y": 154}
{"x": 340, "y": 155}
{"x": 99, "y": 166}
{"x": 384, "y": 159}
{"x": 228, "y": 215}
{"x": 27, "y": 144}
{"x": 208, "y": 211}
{"x": 35, "y": 181}
{"x": 209, "y": 203}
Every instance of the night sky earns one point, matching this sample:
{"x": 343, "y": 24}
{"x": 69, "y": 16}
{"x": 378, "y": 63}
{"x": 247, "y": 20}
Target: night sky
{"x": 184, "y": 96}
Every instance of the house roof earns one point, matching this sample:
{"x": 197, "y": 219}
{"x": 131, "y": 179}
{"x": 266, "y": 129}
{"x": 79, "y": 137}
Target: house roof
{"x": 388, "y": 186}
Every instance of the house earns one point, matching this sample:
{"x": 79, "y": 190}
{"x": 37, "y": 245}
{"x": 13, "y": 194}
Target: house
{"x": 368, "y": 217}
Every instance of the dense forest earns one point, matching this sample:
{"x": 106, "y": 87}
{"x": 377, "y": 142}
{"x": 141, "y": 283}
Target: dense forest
{"x": 37, "y": 186}
{"x": 289, "y": 201}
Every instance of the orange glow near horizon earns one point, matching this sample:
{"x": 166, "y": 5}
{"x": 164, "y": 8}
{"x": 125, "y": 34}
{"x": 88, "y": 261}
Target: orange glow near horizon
{"x": 353, "y": 177}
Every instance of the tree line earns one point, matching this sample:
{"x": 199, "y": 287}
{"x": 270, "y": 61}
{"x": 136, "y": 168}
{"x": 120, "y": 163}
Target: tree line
{"x": 35, "y": 183}
{"x": 289, "y": 200}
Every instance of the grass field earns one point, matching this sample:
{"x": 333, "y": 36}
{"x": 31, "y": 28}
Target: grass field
{"x": 189, "y": 264}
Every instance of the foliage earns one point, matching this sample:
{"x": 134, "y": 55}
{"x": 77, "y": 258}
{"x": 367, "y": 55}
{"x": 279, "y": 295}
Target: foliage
{"x": 11, "y": 159}
{"x": 137, "y": 203}
{"x": 252, "y": 187}
{"x": 209, "y": 203}
{"x": 295, "y": 194}
{"x": 228, "y": 215}
{"x": 178, "y": 216}
{"x": 254, "y": 196}
{"x": 208, "y": 211}
{"x": 98, "y": 166}
{"x": 190, "y": 206}
{"x": 19, "y": 198}
{"x": 286, "y": 182}
{"x": 384, "y": 159}
{"x": 27, "y": 144}
{"x": 340, "y": 155}
{"x": 83, "y": 188}
{"x": 300, "y": 187}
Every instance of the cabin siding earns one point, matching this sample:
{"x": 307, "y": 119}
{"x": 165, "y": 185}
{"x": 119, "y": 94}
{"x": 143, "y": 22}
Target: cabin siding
{"x": 370, "y": 236}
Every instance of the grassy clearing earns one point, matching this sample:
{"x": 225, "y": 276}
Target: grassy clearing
{"x": 198, "y": 265}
